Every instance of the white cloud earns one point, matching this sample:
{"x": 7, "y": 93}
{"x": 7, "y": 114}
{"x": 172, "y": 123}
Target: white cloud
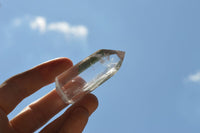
{"x": 60, "y": 27}
{"x": 41, "y": 25}
{"x": 195, "y": 77}
{"x": 68, "y": 30}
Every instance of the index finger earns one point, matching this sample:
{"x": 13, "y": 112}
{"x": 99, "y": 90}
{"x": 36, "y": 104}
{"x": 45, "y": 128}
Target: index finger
{"x": 15, "y": 89}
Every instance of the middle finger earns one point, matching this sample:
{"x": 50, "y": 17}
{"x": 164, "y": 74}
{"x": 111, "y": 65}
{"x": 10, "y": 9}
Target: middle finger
{"x": 38, "y": 113}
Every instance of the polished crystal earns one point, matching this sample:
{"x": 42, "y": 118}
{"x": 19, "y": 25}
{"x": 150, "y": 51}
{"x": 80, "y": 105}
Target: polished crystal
{"x": 88, "y": 74}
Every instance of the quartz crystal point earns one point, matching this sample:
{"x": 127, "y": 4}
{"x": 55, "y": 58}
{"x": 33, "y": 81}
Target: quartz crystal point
{"x": 88, "y": 74}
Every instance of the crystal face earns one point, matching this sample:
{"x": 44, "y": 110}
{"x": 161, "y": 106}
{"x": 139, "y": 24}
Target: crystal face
{"x": 88, "y": 74}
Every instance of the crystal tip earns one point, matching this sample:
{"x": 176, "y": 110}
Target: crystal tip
{"x": 121, "y": 54}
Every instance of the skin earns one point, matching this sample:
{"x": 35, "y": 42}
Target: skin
{"x": 35, "y": 115}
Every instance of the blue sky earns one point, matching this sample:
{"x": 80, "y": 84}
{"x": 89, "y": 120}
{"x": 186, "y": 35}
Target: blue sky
{"x": 158, "y": 86}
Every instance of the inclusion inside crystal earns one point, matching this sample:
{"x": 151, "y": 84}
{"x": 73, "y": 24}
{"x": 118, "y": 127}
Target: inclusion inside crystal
{"x": 88, "y": 74}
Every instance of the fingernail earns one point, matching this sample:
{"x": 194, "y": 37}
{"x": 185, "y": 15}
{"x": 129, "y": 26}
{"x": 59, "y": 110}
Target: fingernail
{"x": 81, "y": 110}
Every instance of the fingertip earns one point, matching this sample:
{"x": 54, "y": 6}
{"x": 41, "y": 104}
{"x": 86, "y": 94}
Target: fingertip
{"x": 62, "y": 62}
{"x": 50, "y": 69}
{"x": 80, "y": 110}
{"x": 93, "y": 101}
{"x": 76, "y": 120}
{"x": 65, "y": 60}
{"x": 90, "y": 102}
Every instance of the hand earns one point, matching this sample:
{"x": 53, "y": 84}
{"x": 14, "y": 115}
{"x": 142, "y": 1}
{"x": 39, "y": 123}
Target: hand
{"x": 15, "y": 89}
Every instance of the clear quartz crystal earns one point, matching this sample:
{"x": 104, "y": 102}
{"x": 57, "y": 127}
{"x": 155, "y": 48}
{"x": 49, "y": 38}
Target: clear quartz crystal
{"x": 88, "y": 74}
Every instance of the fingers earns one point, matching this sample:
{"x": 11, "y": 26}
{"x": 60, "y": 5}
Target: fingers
{"x": 22, "y": 85}
{"x": 4, "y": 123}
{"x": 76, "y": 121}
{"x": 75, "y": 118}
{"x": 42, "y": 110}
{"x": 38, "y": 113}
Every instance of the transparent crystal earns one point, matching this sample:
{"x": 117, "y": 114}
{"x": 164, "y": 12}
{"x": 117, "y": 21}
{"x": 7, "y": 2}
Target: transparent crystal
{"x": 88, "y": 74}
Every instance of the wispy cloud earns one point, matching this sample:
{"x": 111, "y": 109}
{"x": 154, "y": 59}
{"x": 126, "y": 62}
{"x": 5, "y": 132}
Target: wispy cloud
{"x": 68, "y": 30}
{"x": 41, "y": 25}
{"x": 17, "y": 22}
{"x": 194, "y": 77}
